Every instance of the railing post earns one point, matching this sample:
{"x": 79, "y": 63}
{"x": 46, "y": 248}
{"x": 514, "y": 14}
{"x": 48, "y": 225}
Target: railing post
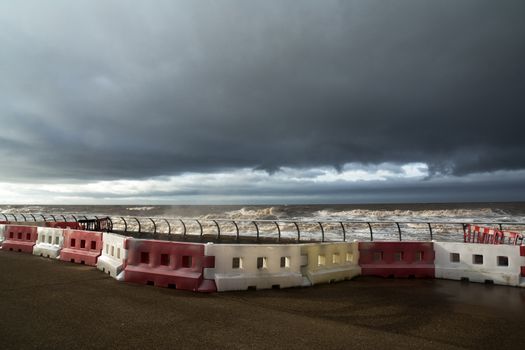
{"x": 298, "y": 232}
{"x": 184, "y": 228}
{"x": 257, "y": 228}
{"x": 430, "y": 229}
{"x": 218, "y": 230}
{"x": 371, "y": 233}
{"x": 110, "y": 224}
{"x": 322, "y": 231}
{"x": 278, "y": 231}
{"x": 154, "y": 225}
{"x": 344, "y": 231}
{"x": 200, "y": 226}
{"x": 138, "y": 222}
{"x": 236, "y": 230}
{"x": 125, "y": 224}
{"x": 96, "y": 225}
{"x": 399, "y": 230}
{"x": 169, "y": 226}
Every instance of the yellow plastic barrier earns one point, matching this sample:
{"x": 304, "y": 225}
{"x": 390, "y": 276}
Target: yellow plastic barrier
{"x": 330, "y": 262}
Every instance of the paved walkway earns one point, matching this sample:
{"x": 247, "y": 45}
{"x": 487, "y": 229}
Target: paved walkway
{"x": 51, "y": 304}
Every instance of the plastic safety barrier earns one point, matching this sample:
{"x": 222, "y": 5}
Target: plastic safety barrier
{"x": 113, "y": 256}
{"x": 50, "y": 242}
{"x": 64, "y": 225}
{"x": 257, "y": 266}
{"x": 478, "y": 234}
{"x": 19, "y": 238}
{"x": 329, "y": 262}
{"x": 168, "y": 264}
{"x": 498, "y": 264}
{"x": 81, "y": 247}
{"x": 2, "y": 229}
{"x": 397, "y": 259}
{"x": 489, "y": 235}
{"x": 522, "y": 277}
{"x": 507, "y": 237}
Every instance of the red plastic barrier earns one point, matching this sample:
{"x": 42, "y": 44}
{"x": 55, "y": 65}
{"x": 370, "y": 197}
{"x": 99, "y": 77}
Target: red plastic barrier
{"x": 81, "y": 247}
{"x": 168, "y": 264}
{"x": 488, "y": 235}
{"x": 522, "y": 253}
{"x": 64, "y": 225}
{"x": 397, "y": 259}
{"x": 512, "y": 238}
{"x": 4, "y": 222}
{"x": 20, "y": 238}
{"x": 478, "y": 234}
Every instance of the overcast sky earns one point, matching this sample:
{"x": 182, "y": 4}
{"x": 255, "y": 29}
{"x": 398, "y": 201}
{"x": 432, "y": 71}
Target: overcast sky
{"x": 262, "y": 101}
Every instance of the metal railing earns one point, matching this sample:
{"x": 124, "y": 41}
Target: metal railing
{"x": 280, "y": 230}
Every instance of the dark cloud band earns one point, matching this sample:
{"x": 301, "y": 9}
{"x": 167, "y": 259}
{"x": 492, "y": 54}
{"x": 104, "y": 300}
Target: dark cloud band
{"x": 109, "y": 90}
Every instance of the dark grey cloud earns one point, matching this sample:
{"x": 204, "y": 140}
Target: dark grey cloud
{"x": 128, "y": 89}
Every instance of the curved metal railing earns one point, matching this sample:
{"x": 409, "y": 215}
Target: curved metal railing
{"x": 280, "y": 230}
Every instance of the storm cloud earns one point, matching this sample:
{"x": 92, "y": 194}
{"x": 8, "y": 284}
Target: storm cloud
{"x": 126, "y": 90}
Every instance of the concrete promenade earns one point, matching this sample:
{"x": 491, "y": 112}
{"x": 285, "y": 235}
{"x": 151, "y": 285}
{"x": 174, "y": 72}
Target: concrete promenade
{"x": 56, "y": 305}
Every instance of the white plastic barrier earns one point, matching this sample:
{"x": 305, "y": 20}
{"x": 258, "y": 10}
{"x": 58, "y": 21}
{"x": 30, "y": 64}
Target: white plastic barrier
{"x": 257, "y": 266}
{"x": 2, "y": 230}
{"x": 49, "y": 243}
{"x": 499, "y": 264}
{"x": 113, "y": 255}
{"x": 330, "y": 262}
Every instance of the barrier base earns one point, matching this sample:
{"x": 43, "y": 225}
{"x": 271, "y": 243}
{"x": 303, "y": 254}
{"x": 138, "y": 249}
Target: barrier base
{"x": 333, "y": 275}
{"x": 183, "y": 278}
{"x": 504, "y": 279}
{"x": 207, "y": 286}
{"x": 112, "y": 267}
{"x": 79, "y": 257}
{"x": 18, "y": 246}
{"x": 398, "y": 271}
{"x": 306, "y": 282}
{"x": 230, "y": 282}
{"x": 46, "y": 250}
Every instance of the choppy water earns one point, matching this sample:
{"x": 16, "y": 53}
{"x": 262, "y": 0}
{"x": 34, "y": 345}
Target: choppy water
{"x": 506, "y": 213}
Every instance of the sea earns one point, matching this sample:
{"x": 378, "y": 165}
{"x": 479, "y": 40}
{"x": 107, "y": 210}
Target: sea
{"x": 384, "y": 220}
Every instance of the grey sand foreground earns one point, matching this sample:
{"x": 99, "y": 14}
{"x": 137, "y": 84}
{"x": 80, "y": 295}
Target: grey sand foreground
{"x": 52, "y": 304}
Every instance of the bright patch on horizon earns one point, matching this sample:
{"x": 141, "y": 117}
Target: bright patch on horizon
{"x": 238, "y": 186}
{"x": 245, "y": 178}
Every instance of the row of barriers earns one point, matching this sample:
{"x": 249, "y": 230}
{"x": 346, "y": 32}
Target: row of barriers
{"x": 209, "y": 267}
{"x": 161, "y": 263}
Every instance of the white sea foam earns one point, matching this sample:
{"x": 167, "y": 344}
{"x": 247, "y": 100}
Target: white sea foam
{"x": 140, "y": 208}
{"x": 442, "y": 215}
{"x": 270, "y": 213}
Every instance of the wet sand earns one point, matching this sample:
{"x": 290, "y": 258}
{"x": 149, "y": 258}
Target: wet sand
{"x": 52, "y": 304}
